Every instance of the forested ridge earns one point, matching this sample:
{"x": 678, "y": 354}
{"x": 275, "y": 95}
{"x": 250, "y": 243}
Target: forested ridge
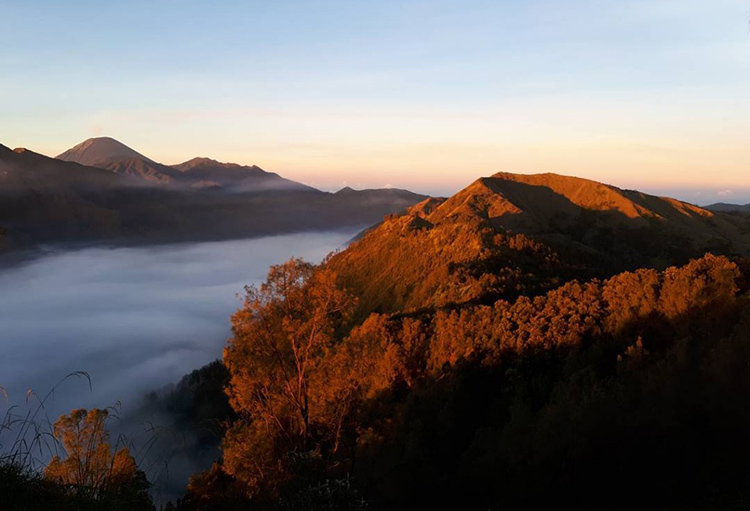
{"x": 464, "y": 356}
{"x": 484, "y": 352}
{"x": 511, "y": 235}
{"x": 632, "y": 386}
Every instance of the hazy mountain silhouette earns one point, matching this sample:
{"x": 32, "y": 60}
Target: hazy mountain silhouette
{"x": 135, "y": 200}
{"x": 43, "y": 198}
{"x": 110, "y": 154}
{"x": 208, "y": 173}
{"x": 726, "y": 207}
{"x": 23, "y": 169}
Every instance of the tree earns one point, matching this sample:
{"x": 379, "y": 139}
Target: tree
{"x": 89, "y": 467}
{"x": 276, "y": 361}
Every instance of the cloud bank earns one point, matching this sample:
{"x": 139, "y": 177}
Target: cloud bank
{"x": 135, "y": 319}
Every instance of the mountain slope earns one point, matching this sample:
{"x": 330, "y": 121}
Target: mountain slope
{"x": 522, "y": 234}
{"x": 725, "y": 207}
{"x": 141, "y": 170}
{"x": 21, "y": 169}
{"x": 110, "y": 154}
{"x": 208, "y": 173}
{"x": 42, "y": 198}
{"x": 99, "y": 150}
{"x": 535, "y": 201}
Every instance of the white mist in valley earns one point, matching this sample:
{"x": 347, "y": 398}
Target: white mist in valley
{"x": 134, "y": 319}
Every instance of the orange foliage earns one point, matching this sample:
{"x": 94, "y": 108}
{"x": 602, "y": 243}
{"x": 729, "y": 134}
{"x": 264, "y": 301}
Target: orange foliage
{"x": 89, "y": 461}
{"x": 564, "y": 317}
{"x": 403, "y": 267}
{"x": 299, "y": 382}
{"x": 279, "y": 381}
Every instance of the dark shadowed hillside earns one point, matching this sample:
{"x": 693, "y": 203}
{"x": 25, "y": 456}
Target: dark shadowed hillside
{"x": 43, "y": 198}
{"x": 23, "y": 170}
{"x": 725, "y": 207}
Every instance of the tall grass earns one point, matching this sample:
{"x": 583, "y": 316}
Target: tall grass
{"x": 33, "y": 442}
{"x": 28, "y": 443}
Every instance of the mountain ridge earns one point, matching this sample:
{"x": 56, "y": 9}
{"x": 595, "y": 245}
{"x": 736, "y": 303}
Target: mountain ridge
{"x": 207, "y": 172}
{"x": 528, "y": 202}
{"x": 728, "y": 207}
{"x": 200, "y": 172}
{"x": 521, "y": 233}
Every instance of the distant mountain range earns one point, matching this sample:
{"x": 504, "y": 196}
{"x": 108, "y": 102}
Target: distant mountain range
{"x": 102, "y": 190}
{"x": 107, "y": 153}
{"x": 727, "y": 208}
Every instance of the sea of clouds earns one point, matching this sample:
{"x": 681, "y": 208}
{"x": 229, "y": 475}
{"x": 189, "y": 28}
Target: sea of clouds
{"x": 134, "y": 319}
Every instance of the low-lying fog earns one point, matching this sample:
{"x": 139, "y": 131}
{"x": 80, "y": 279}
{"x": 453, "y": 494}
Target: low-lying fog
{"x": 135, "y": 319}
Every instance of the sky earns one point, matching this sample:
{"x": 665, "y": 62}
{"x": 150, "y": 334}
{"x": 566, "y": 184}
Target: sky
{"x": 427, "y": 95}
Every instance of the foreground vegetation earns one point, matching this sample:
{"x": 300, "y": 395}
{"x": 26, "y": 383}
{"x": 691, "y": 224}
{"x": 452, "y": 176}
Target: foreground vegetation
{"x": 630, "y": 387}
{"x": 83, "y": 473}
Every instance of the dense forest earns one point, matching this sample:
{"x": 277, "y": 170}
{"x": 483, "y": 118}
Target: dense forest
{"x": 632, "y": 386}
{"x": 456, "y": 358}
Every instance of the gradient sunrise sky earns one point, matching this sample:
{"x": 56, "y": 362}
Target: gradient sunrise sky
{"x": 426, "y": 95}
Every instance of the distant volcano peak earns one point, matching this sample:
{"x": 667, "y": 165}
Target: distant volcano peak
{"x": 99, "y": 150}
